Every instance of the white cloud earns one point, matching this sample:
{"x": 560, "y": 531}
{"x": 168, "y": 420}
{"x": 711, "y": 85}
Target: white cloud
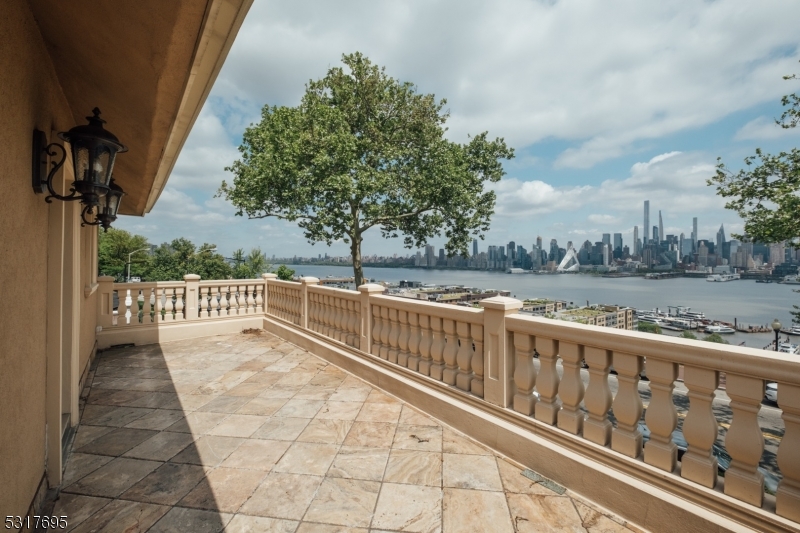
{"x": 604, "y": 219}
{"x": 764, "y": 128}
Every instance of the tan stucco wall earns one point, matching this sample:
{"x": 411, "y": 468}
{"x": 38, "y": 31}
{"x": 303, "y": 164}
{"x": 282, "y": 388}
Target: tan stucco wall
{"x": 30, "y": 96}
{"x": 88, "y": 277}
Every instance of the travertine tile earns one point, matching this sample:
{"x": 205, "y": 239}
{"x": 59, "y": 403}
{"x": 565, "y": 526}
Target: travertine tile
{"x": 223, "y": 489}
{"x": 346, "y": 502}
{"x": 181, "y": 520}
{"x": 122, "y": 516}
{"x": 358, "y": 462}
{"x": 161, "y": 446}
{"x": 238, "y": 426}
{"x": 380, "y": 412}
{"x": 268, "y": 378}
{"x": 278, "y": 393}
{"x": 409, "y": 508}
{"x": 315, "y": 392}
{"x": 374, "y": 434}
{"x": 471, "y": 472}
{"x": 103, "y": 415}
{"x": 262, "y": 406}
{"x": 242, "y": 523}
{"x": 596, "y": 522}
{"x": 87, "y": 434}
{"x": 257, "y": 454}
{"x": 350, "y": 394}
{"x": 167, "y": 484}
{"x": 208, "y": 450}
{"x": 414, "y": 467}
{"x": 468, "y": 511}
{"x": 117, "y": 442}
{"x": 424, "y": 438}
{"x": 282, "y": 496}
{"x": 307, "y": 458}
{"x": 78, "y": 507}
{"x": 252, "y": 389}
{"x": 300, "y": 408}
{"x": 412, "y": 417}
{"x": 534, "y": 512}
{"x": 225, "y": 404}
{"x": 158, "y": 400}
{"x": 279, "y": 428}
{"x": 376, "y": 396}
{"x": 157, "y": 420}
{"x": 454, "y": 442}
{"x": 192, "y": 402}
{"x": 325, "y": 431}
{"x": 514, "y": 481}
{"x": 113, "y": 478}
{"x": 313, "y": 527}
{"x": 339, "y": 410}
{"x": 198, "y": 423}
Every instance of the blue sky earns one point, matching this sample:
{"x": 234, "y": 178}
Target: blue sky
{"x": 607, "y": 103}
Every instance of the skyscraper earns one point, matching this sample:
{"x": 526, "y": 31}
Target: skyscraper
{"x": 512, "y": 253}
{"x": 607, "y": 239}
{"x": 539, "y": 242}
{"x": 655, "y": 234}
{"x": 646, "y": 219}
{"x": 474, "y": 247}
{"x": 694, "y": 234}
{"x": 660, "y": 227}
{"x": 636, "y": 240}
{"x": 618, "y": 242}
{"x": 720, "y": 236}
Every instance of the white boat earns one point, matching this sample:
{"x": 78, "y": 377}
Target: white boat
{"x": 651, "y": 319}
{"x": 687, "y": 313}
{"x": 723, "y": 277}
{"x": 791, "y": 280}
{"x": 720, "y": 329}
{"x": 680, "y": 323}
{"x": 795, "y": 330}
{"x": 786, "y": 347}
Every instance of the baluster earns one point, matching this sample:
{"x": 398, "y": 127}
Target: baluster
{"x": 570, "y": 390}
{"x": 524, "y": 374}
{"x": 259, "y": 299}
{"x": 547, "y": 381}
{"x": 596, "y": 426}
{"x": 386, "y": 327}
{"x": 699, "y": 463}
{"x": 788, "y": 496}
{"x": 159, "y": 305}
{"x": 236, "y": 302}
{"x": 413, "y": 342}
{"x": 338, "y": 315}
{"x": 464, "y": 357}
{"x": 476, "y": 386}
{"x": 376, "y": 330}
{"x": 356, "y": 324}
{"x": 661, "y": 415}
{"x": 312, "y": 310}
{"x": 251, "y": 301}
{"x": 402, "y": 340}
{"x": 330, "y": 331}
{"x": 223, "y": 301}
{"x": 744, "y": 440}
{"x": 170, "y": 306}
{"x": 147, "y": 307}
{"x": 394, "y": 335}
{"x": 351, "y": 322}
{"x": 626, "y": 437}
{"x": 450, "y": 352}
{"x": 425, "y": 343}
{"x": 204, "y": 309}
{"x": 323, "y": 314}
{"x": 214, "y": 301}
{"x": 437, "y": 348}
{"x": 298, "y": 305}
{"x": 122, "y": 307}
{"x": 179, "y": 292}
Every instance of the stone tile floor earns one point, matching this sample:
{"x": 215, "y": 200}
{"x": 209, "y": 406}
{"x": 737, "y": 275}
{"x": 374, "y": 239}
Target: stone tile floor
{"x": 249, "y": 433}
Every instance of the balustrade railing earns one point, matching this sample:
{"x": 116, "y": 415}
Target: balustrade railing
{"x": 612, "y": 388}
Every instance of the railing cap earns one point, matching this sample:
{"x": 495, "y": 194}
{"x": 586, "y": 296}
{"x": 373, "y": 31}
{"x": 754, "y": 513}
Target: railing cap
{"x": 309, "y": 280}
{"x": 502, "y": 303}
{"x": 269, "y": 275}
{"x": 191, "y": 277}
{"x": 106, "y": 279}
{"x": 371, "y": 287}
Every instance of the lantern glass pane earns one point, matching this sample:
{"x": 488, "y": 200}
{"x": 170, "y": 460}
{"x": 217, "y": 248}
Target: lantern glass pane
{"x": 112, "y": 203}
{"x": 100, "y": 170}
{"x": 80, "y": 154}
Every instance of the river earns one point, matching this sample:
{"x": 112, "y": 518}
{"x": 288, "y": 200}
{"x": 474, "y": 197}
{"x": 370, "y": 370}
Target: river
{"x": 744, "y": 300}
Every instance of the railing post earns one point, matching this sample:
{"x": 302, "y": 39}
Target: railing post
{"x": 267, "y": 277}
{"x": 304, "y": 283}
{"x": 788, "y": 496}
{"x": 105, "y": 303}
{"x": 744, "y": 440}
{"x": 498, "y": 367}
{"x": 191, "y": 309}
{"x": 365, "y": 327}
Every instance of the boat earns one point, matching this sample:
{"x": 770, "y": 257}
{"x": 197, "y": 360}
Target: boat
{"x": 680, "y": 323}
{"x": 720, "y": 329}
{"x": 791, "y": 280}
{"x": 787, "y": 347}
{"x": 651, "y": 319}
{"x": 723, "y": 277}
{"x": 763, "y": 281}
{"x": 794, "y": 331}
{"x": 687, "y": 313}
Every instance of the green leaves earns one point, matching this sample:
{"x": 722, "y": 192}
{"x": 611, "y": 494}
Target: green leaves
{"x": 364, "y": 150}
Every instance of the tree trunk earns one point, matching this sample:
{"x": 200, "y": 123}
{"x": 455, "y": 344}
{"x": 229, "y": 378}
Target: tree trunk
{"x": 358, "y": 271}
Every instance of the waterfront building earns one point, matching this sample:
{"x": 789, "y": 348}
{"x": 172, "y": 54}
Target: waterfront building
{"x": 702, "y": 254}
{"x": 646, "y": 219}
{"x": 511, "y": 256}
{"x": 553, "y": 255}
{"x": 430, "y": 256}
{"x": 442, "y": 257}
{"x": 542, "y": 306}
{"x": 606, "y": 254}
{"x": 777, "y": 253}
{"x": 610, "y": 316}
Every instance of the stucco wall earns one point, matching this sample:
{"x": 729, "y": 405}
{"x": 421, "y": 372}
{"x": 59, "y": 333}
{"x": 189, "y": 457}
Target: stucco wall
{"x": 30, "y": 97}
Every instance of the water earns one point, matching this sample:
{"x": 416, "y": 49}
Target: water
{"x": 745, "y": 300}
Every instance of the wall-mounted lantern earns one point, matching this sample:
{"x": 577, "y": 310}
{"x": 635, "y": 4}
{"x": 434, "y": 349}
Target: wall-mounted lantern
{"x": 94, "y": 150}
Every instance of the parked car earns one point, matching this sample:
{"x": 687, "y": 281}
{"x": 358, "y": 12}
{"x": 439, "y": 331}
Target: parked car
{"x": 771, "y": 392}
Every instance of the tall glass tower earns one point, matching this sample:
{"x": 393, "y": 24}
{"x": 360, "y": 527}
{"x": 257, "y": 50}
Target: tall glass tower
{"x": 646, "y": 219}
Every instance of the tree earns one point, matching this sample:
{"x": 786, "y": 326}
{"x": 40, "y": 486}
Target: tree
{"x": 715, "y": 337}
{"x": 112, "y": 253}
{"x": 285, "y": 273}
{"x": 767, "y": 196}
{"x": 364, "y": 150}
{"x": 650, "y": 327}
{"x": 686, "y": 334}
{"x": 171, "y": 262}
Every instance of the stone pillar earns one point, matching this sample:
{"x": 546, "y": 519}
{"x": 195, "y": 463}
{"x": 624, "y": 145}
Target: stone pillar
{"x": 304, "y": 283}
{"x": 192, "y": 297}
{"x": 267, "y": 277}
{"x": 498, "y": 367}
{"x": 105, "y": 301}
{"x": 365, "y": 328}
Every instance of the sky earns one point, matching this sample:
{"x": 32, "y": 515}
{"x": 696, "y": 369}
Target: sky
{"x": 607, "y": 103}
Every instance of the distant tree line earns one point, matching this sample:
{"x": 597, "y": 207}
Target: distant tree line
{"x": 172, "y": 261}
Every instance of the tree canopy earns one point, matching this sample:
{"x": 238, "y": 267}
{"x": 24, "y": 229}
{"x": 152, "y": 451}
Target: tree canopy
{"x": 365, "y": 150}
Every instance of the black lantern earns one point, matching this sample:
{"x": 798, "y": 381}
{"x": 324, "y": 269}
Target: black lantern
{"x": 94, "y": 150}
{"x": 106, "y": 210}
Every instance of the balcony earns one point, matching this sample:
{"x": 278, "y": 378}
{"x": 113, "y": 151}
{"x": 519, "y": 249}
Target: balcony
{"x": 511, "y": 388}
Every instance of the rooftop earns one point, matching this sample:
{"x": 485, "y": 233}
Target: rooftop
{"x": 248, "y": 432}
